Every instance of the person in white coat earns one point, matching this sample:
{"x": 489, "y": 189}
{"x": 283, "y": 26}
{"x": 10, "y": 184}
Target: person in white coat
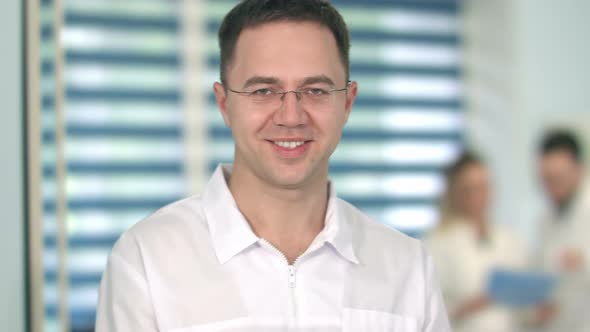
{"x": 269, "y": 246}
{"x": 466, "y": 247}
{"x": 565, "y": 235}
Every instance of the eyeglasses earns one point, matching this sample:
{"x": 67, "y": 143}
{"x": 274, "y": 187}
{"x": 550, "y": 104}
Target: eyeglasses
{"x": 273, "y": 98}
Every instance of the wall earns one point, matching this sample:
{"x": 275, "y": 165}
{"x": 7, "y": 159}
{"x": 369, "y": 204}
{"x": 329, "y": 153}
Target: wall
{"x": 556, "y": 80}
{"x": 12, "y": 283}
{"x": 526, "y": 69}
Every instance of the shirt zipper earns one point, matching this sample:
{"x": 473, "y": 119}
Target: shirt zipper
{"x": 291, "y": 276}
{"x": 292, "y": 279}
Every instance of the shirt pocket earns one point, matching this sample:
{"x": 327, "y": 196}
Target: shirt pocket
{"x": 354, "y": 320}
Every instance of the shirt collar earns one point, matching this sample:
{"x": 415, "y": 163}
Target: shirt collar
{"x": 338, "y": 228}
{"x": 231, "y": 233}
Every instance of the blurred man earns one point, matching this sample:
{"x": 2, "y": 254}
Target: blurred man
{"x": 268, "y": 246}
{"x": 566, "y": 233}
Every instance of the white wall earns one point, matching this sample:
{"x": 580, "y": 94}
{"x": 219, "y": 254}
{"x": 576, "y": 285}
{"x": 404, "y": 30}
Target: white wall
{"x": 556, "y": 80}
{"x": 527, "y": 68}
{"x": 12, "y": 284}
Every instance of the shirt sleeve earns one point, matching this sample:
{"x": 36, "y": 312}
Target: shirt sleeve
{"x": 436, "y": 318}
{"x": 445, "y": 274}
{"x": 585, "y": 252}
{"x": 124, "y": 303}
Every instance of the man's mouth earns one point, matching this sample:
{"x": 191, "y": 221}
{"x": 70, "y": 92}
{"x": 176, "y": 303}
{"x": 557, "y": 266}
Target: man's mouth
{"x": 289, "y": 144}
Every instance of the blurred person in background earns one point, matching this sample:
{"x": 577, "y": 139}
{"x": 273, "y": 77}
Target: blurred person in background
{"x": 565, "y": 235}
{"x": 467, "y": 246}
{"x": 269, "y": 246}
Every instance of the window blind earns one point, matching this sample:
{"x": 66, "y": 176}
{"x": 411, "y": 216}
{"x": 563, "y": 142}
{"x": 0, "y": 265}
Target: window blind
{"x": 124, "y": 136}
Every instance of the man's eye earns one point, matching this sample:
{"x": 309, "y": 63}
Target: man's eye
{"x": 262, "y": 92}
{"x": 316, "y": 92}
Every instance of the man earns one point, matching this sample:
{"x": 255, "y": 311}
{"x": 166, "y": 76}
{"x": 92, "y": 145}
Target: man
{"x": 565, "y": 243}
{"x": 268, "y": 246}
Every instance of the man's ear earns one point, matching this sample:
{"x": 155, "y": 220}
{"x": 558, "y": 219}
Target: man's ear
{"x": 221, "y": 97}
{"x": 350, "y": 97}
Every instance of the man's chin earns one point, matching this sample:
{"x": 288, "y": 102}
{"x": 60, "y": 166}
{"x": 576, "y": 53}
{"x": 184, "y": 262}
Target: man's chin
{"x": 289, "y": 181}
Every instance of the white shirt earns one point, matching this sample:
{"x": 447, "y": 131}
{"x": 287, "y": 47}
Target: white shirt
{"x": 464, "y": 264}
{"x": 196, "y": 265}
{"x": 570, "y": 230}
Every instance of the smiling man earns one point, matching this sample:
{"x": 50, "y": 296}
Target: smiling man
{"x": 269, "y": 246}
{"x": 565, "y": 249}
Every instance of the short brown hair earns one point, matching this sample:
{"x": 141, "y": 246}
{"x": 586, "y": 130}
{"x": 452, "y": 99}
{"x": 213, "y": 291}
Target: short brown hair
{"x": 562, "y": 140}
{"x": 251, "y": 13}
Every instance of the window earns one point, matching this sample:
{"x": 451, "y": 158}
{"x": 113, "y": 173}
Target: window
{"x": 124, "y": 145}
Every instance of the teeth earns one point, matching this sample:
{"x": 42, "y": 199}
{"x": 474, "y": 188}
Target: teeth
{"x": 289, "y": 145}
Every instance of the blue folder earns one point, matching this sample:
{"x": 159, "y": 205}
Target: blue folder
{"x": 520, "y": 289}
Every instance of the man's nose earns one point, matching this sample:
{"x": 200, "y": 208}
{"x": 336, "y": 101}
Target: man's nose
{"x": 291, "y": 113}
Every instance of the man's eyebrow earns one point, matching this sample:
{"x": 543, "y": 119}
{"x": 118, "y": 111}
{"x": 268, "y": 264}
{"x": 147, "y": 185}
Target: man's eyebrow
{"x": 317, "y": 79}
{"x": 261, "y": 80}
{"x": 274, "y": 80}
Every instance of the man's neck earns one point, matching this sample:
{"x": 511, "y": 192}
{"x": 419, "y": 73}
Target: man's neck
{"x": 564, "y": 207}
{"x": 288, "y": 218}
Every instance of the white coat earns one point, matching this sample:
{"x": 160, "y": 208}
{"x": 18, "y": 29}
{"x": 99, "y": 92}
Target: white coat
{"x": 567, "y": 231}
{"x": 463, "y": 265}
{"x": 196, "y": 265}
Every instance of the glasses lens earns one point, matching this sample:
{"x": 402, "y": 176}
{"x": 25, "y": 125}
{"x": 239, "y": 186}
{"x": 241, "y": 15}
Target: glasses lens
{"x": 266, "y": 98}
{"x": 316, "y": 97}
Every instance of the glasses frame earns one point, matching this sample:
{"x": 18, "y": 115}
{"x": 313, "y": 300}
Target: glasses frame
{"x": 282, "y": 94}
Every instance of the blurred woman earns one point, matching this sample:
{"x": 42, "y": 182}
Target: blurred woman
{"x": 466, "y": 247}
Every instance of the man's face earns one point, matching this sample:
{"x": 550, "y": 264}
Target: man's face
{"x": 285, "y": 56}
{"x": 560, "y": 174}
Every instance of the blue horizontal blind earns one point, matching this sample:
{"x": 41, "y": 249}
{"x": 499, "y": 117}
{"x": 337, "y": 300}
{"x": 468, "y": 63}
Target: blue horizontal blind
{"x": 124, "y": 133}
{"x": 407, "y": 123}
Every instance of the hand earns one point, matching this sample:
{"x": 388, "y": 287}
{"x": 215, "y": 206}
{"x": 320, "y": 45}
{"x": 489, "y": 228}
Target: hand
{"x": 470, "y": 307}
{"x": 571, "y": 260}
{"x": 544, "y": 313}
